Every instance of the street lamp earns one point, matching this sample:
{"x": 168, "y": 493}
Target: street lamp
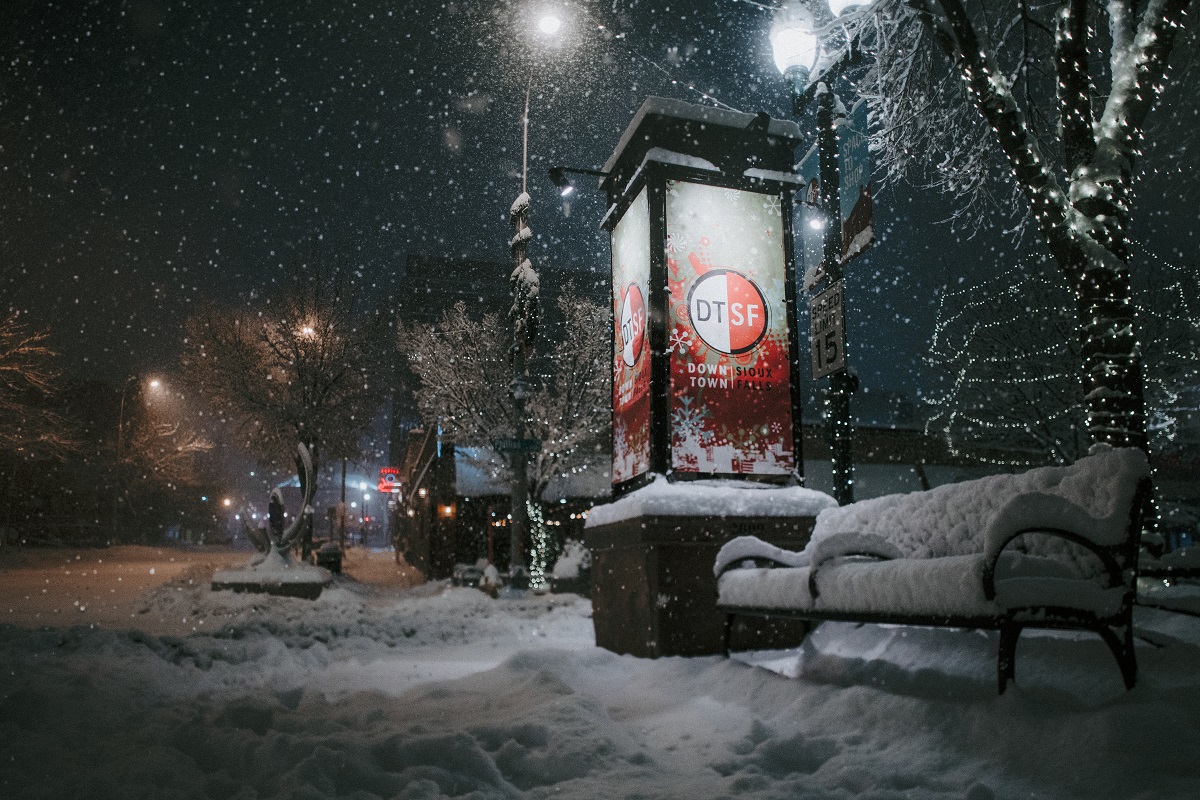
{"x": 840, "y": 7}
{"x": 796, "y": 43}
{"x": 549, "y": 23}
{"x": 525, "y": 314}
{"x": 132, "y": 380}
{"x": 558, "y": 175}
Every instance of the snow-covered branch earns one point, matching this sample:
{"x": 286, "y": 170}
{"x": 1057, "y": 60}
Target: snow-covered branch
{"x": 464, "y": 375}
{"x": 1075, "y": 177}
{"x": 28, "y": 381}
{"x": 305, "y": 367}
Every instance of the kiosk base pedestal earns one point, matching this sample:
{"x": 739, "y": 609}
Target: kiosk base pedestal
{"x": 653, "y": 589}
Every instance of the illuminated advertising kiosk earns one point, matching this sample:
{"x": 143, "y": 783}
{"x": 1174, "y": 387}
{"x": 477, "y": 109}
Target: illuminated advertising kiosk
{"x": 705, "y": 366}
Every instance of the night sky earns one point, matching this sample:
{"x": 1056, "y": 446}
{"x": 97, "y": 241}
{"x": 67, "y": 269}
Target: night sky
{"x": 155, "y": 152}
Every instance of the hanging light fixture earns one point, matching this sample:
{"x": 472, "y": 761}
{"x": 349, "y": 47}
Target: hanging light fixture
{"x": 794, "y": 43}
{"x": 840, "y": 7}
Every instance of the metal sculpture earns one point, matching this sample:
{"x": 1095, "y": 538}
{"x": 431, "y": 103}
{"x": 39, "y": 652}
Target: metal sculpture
{"x": 271, "y": 570}
{"x": 276, "y": 538}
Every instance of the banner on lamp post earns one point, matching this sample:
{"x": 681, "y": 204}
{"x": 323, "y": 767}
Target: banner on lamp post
{"x": 854, "y": 175}
{"x": 854, "y": 198}
{"x": 730, "y": 398}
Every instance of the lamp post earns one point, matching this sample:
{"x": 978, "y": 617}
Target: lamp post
{"x": 156, "y": 385}
{"x": 525, "y": 313}
{"x": 797, "y": 47}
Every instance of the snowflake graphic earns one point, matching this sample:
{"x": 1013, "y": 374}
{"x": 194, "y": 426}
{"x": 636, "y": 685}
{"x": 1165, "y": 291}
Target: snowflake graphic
{"x": 621, "y": 449}
{"x": 688, "y": 422}
{"x": 676, "y": 243}
{"x": 682, "y": 339}
{"x": 772, "y": 205}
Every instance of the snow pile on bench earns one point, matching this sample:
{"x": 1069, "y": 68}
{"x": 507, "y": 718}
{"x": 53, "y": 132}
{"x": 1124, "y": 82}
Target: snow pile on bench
{"x": 938, "y": 544}
{"x": 954, "y": 519}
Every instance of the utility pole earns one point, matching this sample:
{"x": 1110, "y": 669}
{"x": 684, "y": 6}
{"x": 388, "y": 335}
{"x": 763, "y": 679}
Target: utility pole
{"x": 342, "y": 511}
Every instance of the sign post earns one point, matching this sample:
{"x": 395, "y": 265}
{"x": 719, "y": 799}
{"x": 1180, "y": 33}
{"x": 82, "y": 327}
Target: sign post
{"x": 838, "y": 229}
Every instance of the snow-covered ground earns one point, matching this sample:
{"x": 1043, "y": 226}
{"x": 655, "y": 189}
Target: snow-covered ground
{"x": 443, "y": 692}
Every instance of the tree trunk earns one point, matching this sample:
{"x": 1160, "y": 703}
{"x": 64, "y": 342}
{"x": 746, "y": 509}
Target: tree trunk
{"x": 1100, "y": 163}
{"x": 540, "y": 545}
{"x": 1112, "y": 358}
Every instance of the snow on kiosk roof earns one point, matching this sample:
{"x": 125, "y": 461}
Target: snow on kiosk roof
{"x": 732, "y": 140}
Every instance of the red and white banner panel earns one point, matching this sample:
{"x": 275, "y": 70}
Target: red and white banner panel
{"x": 731, "y": 403}
{"x": 631, "y": 347}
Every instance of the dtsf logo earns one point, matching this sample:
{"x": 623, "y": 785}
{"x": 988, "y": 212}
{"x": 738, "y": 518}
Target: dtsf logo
{"x": 633, "y": 325}
{"x": 728, "y": 311}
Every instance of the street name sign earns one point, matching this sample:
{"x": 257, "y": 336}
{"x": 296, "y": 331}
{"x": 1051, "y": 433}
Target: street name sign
{"x": 518, "y": 445}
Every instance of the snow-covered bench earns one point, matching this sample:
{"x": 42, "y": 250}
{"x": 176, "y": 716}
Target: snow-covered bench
{"x": 1055, "y": 547}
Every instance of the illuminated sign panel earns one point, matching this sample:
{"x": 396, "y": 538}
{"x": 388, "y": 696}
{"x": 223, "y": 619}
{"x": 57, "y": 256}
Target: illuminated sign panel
{"x": 730, "y": 399}
{"x": 631, "y": 350}
{"x": 389, "y": 480}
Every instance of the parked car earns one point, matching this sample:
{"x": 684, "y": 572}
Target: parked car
{"x": 466, "y": 575}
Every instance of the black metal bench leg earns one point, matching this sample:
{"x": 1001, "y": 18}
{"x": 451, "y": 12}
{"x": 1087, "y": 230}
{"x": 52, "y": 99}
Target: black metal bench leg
{"x": 1122, "y": 650}
{"x": 1006, "y": 661}
{"x": 806, "y": 627}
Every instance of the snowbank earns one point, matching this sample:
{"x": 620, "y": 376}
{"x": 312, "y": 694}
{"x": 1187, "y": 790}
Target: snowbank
{"x": 446, "y": 693}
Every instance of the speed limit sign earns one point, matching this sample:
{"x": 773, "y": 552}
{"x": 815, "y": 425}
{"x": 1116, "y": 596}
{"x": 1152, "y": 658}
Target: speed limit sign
{"x": 827, "y": 331}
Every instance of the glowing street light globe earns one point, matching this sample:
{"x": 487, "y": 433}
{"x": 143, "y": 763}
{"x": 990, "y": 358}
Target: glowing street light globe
{"x": 794, "y": 44}
{"x": 549, "y": 24}
{"x": 840, "y": 7}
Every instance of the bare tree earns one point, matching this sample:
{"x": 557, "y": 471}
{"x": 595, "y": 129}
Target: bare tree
{"x": 31, "y": 429}
{"x": 300, "y": 367}
{"x": 163, "y": 445}
{"x": 155, "y": 455}
{"x": 29, "y": 424}
{"x": 462, "y": 366}
{"x": 1062, "y": 92}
